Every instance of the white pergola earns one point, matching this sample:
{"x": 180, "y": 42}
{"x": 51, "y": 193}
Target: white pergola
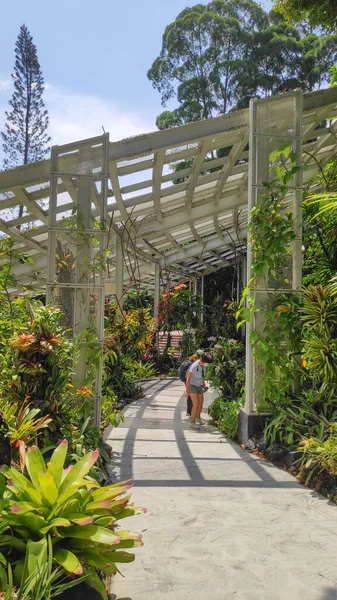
{"x": 152, "y": 219}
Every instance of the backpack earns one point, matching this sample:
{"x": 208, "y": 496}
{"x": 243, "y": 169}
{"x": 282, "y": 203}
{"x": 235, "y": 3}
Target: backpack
{"x": 182, "y": 371}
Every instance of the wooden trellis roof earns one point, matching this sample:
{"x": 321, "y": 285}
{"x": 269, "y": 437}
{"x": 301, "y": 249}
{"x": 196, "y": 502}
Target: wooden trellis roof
{"x": 189, "y": 221}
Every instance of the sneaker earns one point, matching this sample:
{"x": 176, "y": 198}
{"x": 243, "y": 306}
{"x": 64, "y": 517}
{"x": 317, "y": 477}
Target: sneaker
{"x": 200, "y": 421}
{"x": 188, "y": 414}
{"x": 194, "y": 426}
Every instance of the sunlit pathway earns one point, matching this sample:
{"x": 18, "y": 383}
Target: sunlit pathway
{"x": 221, "y": 524}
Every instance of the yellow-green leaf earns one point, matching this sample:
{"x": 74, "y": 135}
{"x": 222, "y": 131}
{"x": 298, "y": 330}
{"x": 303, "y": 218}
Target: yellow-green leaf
{"x": 68, "y": 561}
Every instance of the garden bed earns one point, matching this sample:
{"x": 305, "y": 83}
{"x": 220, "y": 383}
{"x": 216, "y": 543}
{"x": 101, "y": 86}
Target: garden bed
{"x": 323, "y": 483}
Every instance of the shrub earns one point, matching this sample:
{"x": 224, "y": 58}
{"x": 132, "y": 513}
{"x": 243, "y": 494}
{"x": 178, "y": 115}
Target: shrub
{"x": 80, "y": 516}
{"x": 226, "y": 415}
{"x": 41, "y": 361}
{"x": 318, "y": 457}
{"x": 227, "y": 372}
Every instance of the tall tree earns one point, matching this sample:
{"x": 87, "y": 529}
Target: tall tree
{"x": 204, "y": 56}
{"x": 215, "y": 57}
{"x": 319, "y": 12}
{"x": 25, "y": 137}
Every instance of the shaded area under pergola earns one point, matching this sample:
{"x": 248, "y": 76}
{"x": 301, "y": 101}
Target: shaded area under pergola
{"x": 120, "y": 213}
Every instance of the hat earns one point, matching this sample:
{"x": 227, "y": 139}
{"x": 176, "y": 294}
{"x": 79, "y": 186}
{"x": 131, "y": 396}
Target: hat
{"x": 200, "y": 352}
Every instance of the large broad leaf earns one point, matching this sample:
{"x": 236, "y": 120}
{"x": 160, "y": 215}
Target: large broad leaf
{"x": 24, "y": 485}
{"x": 79, "y": 519}
{"x": 78, "y": 472}
{"x": 95, "y": 582}
{"x": 104, "y": 521}
{"x": 100, "y": 562}
{"x": 55, "y": 523}
{"x": 119, "y": 504}
{"x": 93, "y": 533}
{"x": 35, "y": 465}
{"x": 31, "y": 521}
{"x": 129, "y": 544}
{"x": 129, "y": 511}
{"x": 36, "y": 556}
{"x": 23, "y": 507}
{"x": 11, "y": 541}
{"x": 119, "y": 557}
{"x": 66, "y": 495}
{"x": 48, "y": 487}
{"x": 68, "y": 561}
{"x": 110, "y": 492}
{"x": 129, "y": 535}
{"x": 56, "y": 463}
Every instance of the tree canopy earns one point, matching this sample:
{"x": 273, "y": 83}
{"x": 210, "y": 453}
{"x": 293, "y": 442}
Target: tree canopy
{"x": 215, "y": 57}
{"x": 319, "y": 12}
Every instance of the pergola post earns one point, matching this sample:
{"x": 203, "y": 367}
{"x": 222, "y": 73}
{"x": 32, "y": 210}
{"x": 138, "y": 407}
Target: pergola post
{"x": 286, "y": 111}
{"x": 119, "y": 275}
{"x": 76, "y": 250}
{"x": 202, "y": 294}
{"x": 156, "y": 297}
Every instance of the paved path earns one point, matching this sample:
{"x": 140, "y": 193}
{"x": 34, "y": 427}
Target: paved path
{"x": 221, "y": 524}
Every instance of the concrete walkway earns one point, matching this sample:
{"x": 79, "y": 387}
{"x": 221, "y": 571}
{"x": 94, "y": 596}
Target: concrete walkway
{"x": 221, "y": 524}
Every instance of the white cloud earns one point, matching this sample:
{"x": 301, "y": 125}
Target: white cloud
{"x": 74, "y": 116}
{"x": 5, "y": 84}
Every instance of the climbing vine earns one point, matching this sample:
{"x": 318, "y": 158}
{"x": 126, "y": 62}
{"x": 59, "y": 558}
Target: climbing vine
{"x": 276, "y": 346}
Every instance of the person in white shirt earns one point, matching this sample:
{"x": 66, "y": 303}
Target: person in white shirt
{"x": 194, "y": 389}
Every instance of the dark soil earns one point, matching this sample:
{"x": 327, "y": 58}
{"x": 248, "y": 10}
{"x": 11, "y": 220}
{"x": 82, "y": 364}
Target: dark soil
{"x": 323, "y": 483}
{"x": 80, "y": 592}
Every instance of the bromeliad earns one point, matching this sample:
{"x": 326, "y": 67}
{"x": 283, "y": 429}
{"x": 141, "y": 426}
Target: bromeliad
{"x": 79, "y": 515}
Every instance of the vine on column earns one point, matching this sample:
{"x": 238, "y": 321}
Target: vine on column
{"x": 277, "y": 346}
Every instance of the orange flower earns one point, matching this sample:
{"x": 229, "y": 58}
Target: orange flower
{"x": 282, "y": 308}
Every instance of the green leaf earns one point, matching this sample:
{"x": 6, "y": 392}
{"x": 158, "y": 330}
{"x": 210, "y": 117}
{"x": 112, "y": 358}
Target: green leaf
{"x": 254, "y": 337}
{"x": 48, "y": 487}
{"x": 95, "y": 582}
{"x": 93, "y": 533}
{"x": 30, "y": 521}
{"x": 68, "y": 561}
{"x": 35, "y": 465}
{"x": 58, "y": 522}
{"x": 246, "y": 314}
{"x": 120, "y": 557}
{"x": 56, "y": 463}
{"x": 79, "y": 470}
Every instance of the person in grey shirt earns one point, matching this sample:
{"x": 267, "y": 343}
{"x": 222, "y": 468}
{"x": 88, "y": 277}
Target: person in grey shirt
{"x": 194, "y": 388}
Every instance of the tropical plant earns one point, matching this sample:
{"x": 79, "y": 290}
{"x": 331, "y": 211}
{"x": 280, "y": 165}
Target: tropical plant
{"x": 130, "y": 334}
{"x": 277, "y": 342}
{"x": 303, "y": 417}
{"x": 43, "y": 359}
{"x": 225, "y": 415}
{"x": 319, "y": 316}
{"x": 23, "y": 422}
{"x": 40, "y": 579}
{"x": 318, "y": 457}
{"x": 227, "y": 371}
{"x": 80, "y": 516}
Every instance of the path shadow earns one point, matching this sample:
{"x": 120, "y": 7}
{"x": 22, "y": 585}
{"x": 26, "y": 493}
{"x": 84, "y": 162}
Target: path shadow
{"x": 122, "y": 467}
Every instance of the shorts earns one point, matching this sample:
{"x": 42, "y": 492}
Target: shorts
{"x": 196, "y": 389}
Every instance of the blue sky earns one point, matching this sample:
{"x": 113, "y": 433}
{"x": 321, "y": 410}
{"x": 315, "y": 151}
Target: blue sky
{"x": 94, "y": 56}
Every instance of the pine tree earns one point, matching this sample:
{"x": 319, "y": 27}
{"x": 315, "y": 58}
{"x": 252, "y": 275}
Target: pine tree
{"x": 25, "y": 137}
